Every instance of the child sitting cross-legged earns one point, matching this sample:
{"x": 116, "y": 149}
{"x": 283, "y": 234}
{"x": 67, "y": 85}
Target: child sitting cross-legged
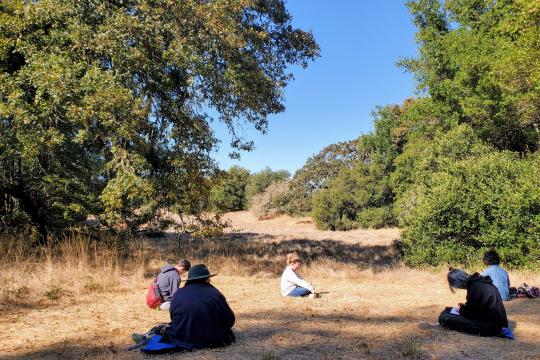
{"x": 291, "y": 283}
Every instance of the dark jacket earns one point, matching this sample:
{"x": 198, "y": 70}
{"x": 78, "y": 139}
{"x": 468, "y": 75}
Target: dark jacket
{"x": 484, "y": 302}
{"x": 200, "y": 317}
{"x": 167, "y": 281}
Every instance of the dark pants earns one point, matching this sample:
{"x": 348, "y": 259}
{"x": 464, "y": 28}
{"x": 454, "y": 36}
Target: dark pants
{"x": 460, "y": 323}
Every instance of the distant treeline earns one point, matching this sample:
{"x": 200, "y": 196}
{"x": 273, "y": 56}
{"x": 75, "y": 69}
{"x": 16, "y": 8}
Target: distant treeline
{"x": 458, "y": 167}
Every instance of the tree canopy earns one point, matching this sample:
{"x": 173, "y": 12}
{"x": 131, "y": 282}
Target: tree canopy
{"x": 104, "y": 105}
{"x": 480, "y": 60}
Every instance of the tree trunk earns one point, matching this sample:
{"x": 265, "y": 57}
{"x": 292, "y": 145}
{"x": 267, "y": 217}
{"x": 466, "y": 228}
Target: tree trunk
{"x": 35, "y": 208}
{"x": 42, "y": 233}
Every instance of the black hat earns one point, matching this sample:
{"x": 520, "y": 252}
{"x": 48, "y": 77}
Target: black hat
{"x": 199, "y": 271}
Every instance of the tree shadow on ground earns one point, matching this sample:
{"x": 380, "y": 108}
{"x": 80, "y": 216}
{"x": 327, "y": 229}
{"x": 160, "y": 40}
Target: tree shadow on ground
{"x": 524, "y": 307}
{"x": 264, "y": 252}
{"x": 392, "y": 336}
{"x": 67, "y": 350}
{"x": 291, "y": 334}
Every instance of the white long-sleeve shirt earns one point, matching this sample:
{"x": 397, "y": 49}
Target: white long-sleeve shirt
{"x": 290, "y": 280}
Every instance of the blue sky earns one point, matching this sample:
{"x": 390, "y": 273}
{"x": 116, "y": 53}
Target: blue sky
{"x": 333, "y": 98}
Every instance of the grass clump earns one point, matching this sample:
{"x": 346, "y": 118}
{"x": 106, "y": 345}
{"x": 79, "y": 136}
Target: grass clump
{"x": 269, "y": 355}
{"x": 54, "y": 293}
{"x": 93, "y": 286}
{"x": 411, "y": 348}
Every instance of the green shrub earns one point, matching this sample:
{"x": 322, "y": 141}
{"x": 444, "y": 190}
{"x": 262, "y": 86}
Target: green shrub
{"x": 360, "y": 197}
{"x": 377, "y": 218}
{"x": 229, "y": 193}
{"x": 258, "y": 182}
{"x": 336, "y": 208}
{"x": 430, "y": 154}
{"x": 317, "y": 173}
{"x": 487, "y": 202}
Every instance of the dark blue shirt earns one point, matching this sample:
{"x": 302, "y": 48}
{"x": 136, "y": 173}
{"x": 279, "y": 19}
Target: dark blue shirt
{"x": 200, "y": 317}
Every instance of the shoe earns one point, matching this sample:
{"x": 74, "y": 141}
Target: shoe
{"x": 137, "y": 338}
{"x": 507, "y": 333}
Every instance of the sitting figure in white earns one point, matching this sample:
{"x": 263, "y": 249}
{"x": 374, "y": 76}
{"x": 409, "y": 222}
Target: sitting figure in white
{"x": 291, "y": 283}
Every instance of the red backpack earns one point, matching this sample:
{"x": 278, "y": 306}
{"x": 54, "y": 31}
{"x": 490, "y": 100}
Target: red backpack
{"x": 153, "y": 296}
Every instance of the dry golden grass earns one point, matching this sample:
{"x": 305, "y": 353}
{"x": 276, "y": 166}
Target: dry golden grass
{"x": 375, "y": 307}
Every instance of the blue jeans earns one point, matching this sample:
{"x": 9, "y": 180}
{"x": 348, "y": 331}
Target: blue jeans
{"x": 299, "y": 291}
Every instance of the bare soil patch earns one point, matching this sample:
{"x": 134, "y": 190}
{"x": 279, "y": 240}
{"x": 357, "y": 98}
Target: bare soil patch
{"x": 375, "y": 307}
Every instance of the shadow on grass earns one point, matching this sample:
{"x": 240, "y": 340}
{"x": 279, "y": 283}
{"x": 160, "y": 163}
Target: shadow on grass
{"x": 346, "y": 336}
{"x": 264, "y": 252}
{"x": 66, "y": 350}
{"x": 297, "y": 335}
{"x": 523, "y": 307}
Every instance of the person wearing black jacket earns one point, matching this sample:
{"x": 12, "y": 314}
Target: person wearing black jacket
{"x": 200, "y": 315}
{"x": 483, "y": 314}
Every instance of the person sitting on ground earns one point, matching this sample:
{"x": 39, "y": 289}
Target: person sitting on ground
{"x": 483, "y": 314}
{"x": 498, "y": 275}
{"x": 200, "y": 315}
{"x": 169, "y": 279}
{"x": 291, "y": 283}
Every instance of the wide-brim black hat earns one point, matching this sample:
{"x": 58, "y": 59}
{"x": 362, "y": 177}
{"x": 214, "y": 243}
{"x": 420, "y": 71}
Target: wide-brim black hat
{"x": 199, "y": 271}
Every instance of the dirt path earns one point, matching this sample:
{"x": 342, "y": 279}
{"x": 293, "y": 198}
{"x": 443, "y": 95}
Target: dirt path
{"x": 365, "y": 315}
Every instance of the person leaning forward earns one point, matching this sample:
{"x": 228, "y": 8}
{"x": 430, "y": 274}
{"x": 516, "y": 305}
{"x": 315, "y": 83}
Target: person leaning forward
{"x": 483, "y": 313}
{"x": 200, "y": 315}
{"x": 168, "y": 281}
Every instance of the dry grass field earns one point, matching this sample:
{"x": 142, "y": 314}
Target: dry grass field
{"x": 79, "y": 302}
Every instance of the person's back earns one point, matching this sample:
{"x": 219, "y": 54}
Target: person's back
{"x": 200, "y": 316}
{"x": 483, "y": 314}
{"x": 500, "y": 279}
{"x": 498, "y": 275}
{"x": 285, "y": 284}
{"x": 484, "y": 302}
{"x": 167, "y": 281}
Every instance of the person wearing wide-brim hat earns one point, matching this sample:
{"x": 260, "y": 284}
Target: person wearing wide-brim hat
{"x": 198, "y": 272}
{"x": 200, "y": 315}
